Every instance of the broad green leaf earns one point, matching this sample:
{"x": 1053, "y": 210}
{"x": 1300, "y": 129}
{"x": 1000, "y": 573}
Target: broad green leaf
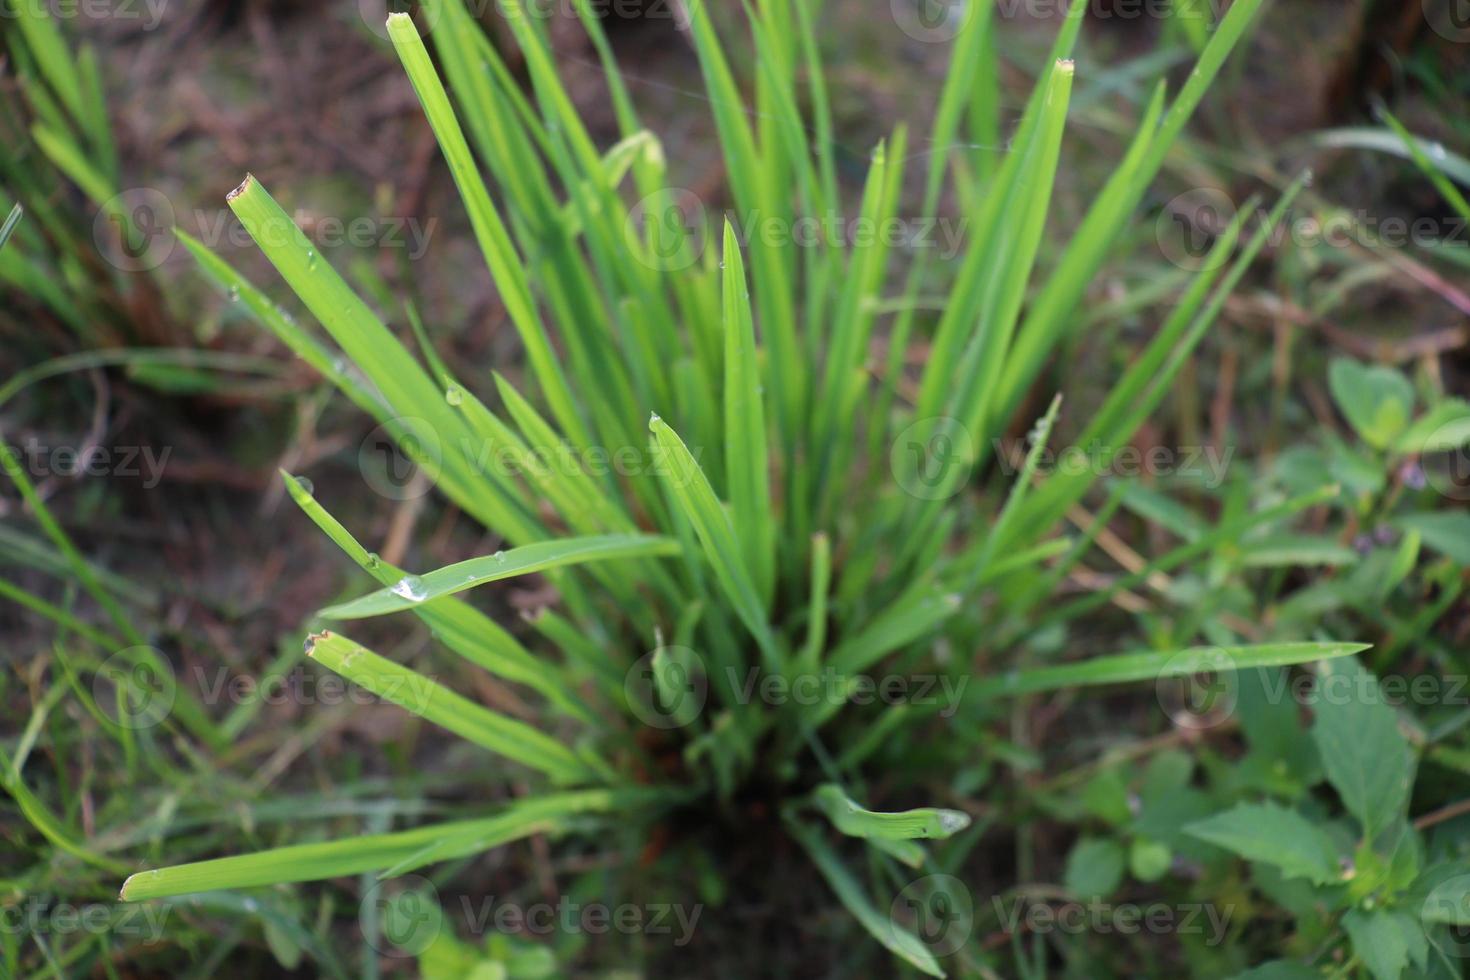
{"x": 414, "y": 590}
{"x": 1094, "y": 868}
{"x": 1444, "y": 427}
{"x": 1366, "y": 758}
{"x": 1385, "y": 940}
{"x": 1149, "y": 860}
{"x": 1445, "y": 531}
{"x": 1377, "y": 401}
{"x": 855, "y": 821}
{"x": 1448, "y": 901}
{"x": 1273, "y": 835}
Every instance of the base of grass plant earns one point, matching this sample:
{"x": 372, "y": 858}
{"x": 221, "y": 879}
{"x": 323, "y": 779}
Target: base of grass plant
{"x": 764, "y": 543}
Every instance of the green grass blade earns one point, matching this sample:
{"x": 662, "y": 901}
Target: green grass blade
{"x": 285, "y": 327}
{"x": 459, "y": 626}
{"x": 1149, "y": 665}
{"x": 900, "y": 942}
{"x": 47, "y": 823}
{"x": 756, "y": 194}
{"x": 505, "y": 265}
{"x": 848, "y": 817}
{"x": 373, "y": 852}
{"x": 1048, "y": 322}
{"x": 414, "y": 590}
{"x": 418, "y": 694}
{"x": 1426, "y": 164}
{"x": 746, "y": 460}
{"x": 53, "y": 59}
{"x": 1386, "y": 140}
{"x": 912, "y": 617}
{"x": 689, "y": 486}
{"x": 428, "y": 429}
{"x": 816, "y": 627}
{"x": 11, "y": 220}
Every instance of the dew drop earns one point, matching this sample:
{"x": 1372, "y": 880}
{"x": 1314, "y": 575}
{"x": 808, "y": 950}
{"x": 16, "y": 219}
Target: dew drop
{"x": 411, "y": 587}
{"x": 311, "y": 258}
{"x": 306, "y": 484}
{"x": 234, "y": 294}
{"x": 454, "y": 396}
{"x": 500, "y": 557}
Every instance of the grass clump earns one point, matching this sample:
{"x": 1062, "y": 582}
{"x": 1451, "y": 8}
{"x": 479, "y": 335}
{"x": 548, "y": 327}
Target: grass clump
{"x": 801, "y": 514}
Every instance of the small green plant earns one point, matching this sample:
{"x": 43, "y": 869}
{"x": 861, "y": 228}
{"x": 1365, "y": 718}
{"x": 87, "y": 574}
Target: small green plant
{"x": 794, "y": 510}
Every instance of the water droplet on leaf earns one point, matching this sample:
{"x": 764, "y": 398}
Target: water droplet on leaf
{"x": 412, "y": 588}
